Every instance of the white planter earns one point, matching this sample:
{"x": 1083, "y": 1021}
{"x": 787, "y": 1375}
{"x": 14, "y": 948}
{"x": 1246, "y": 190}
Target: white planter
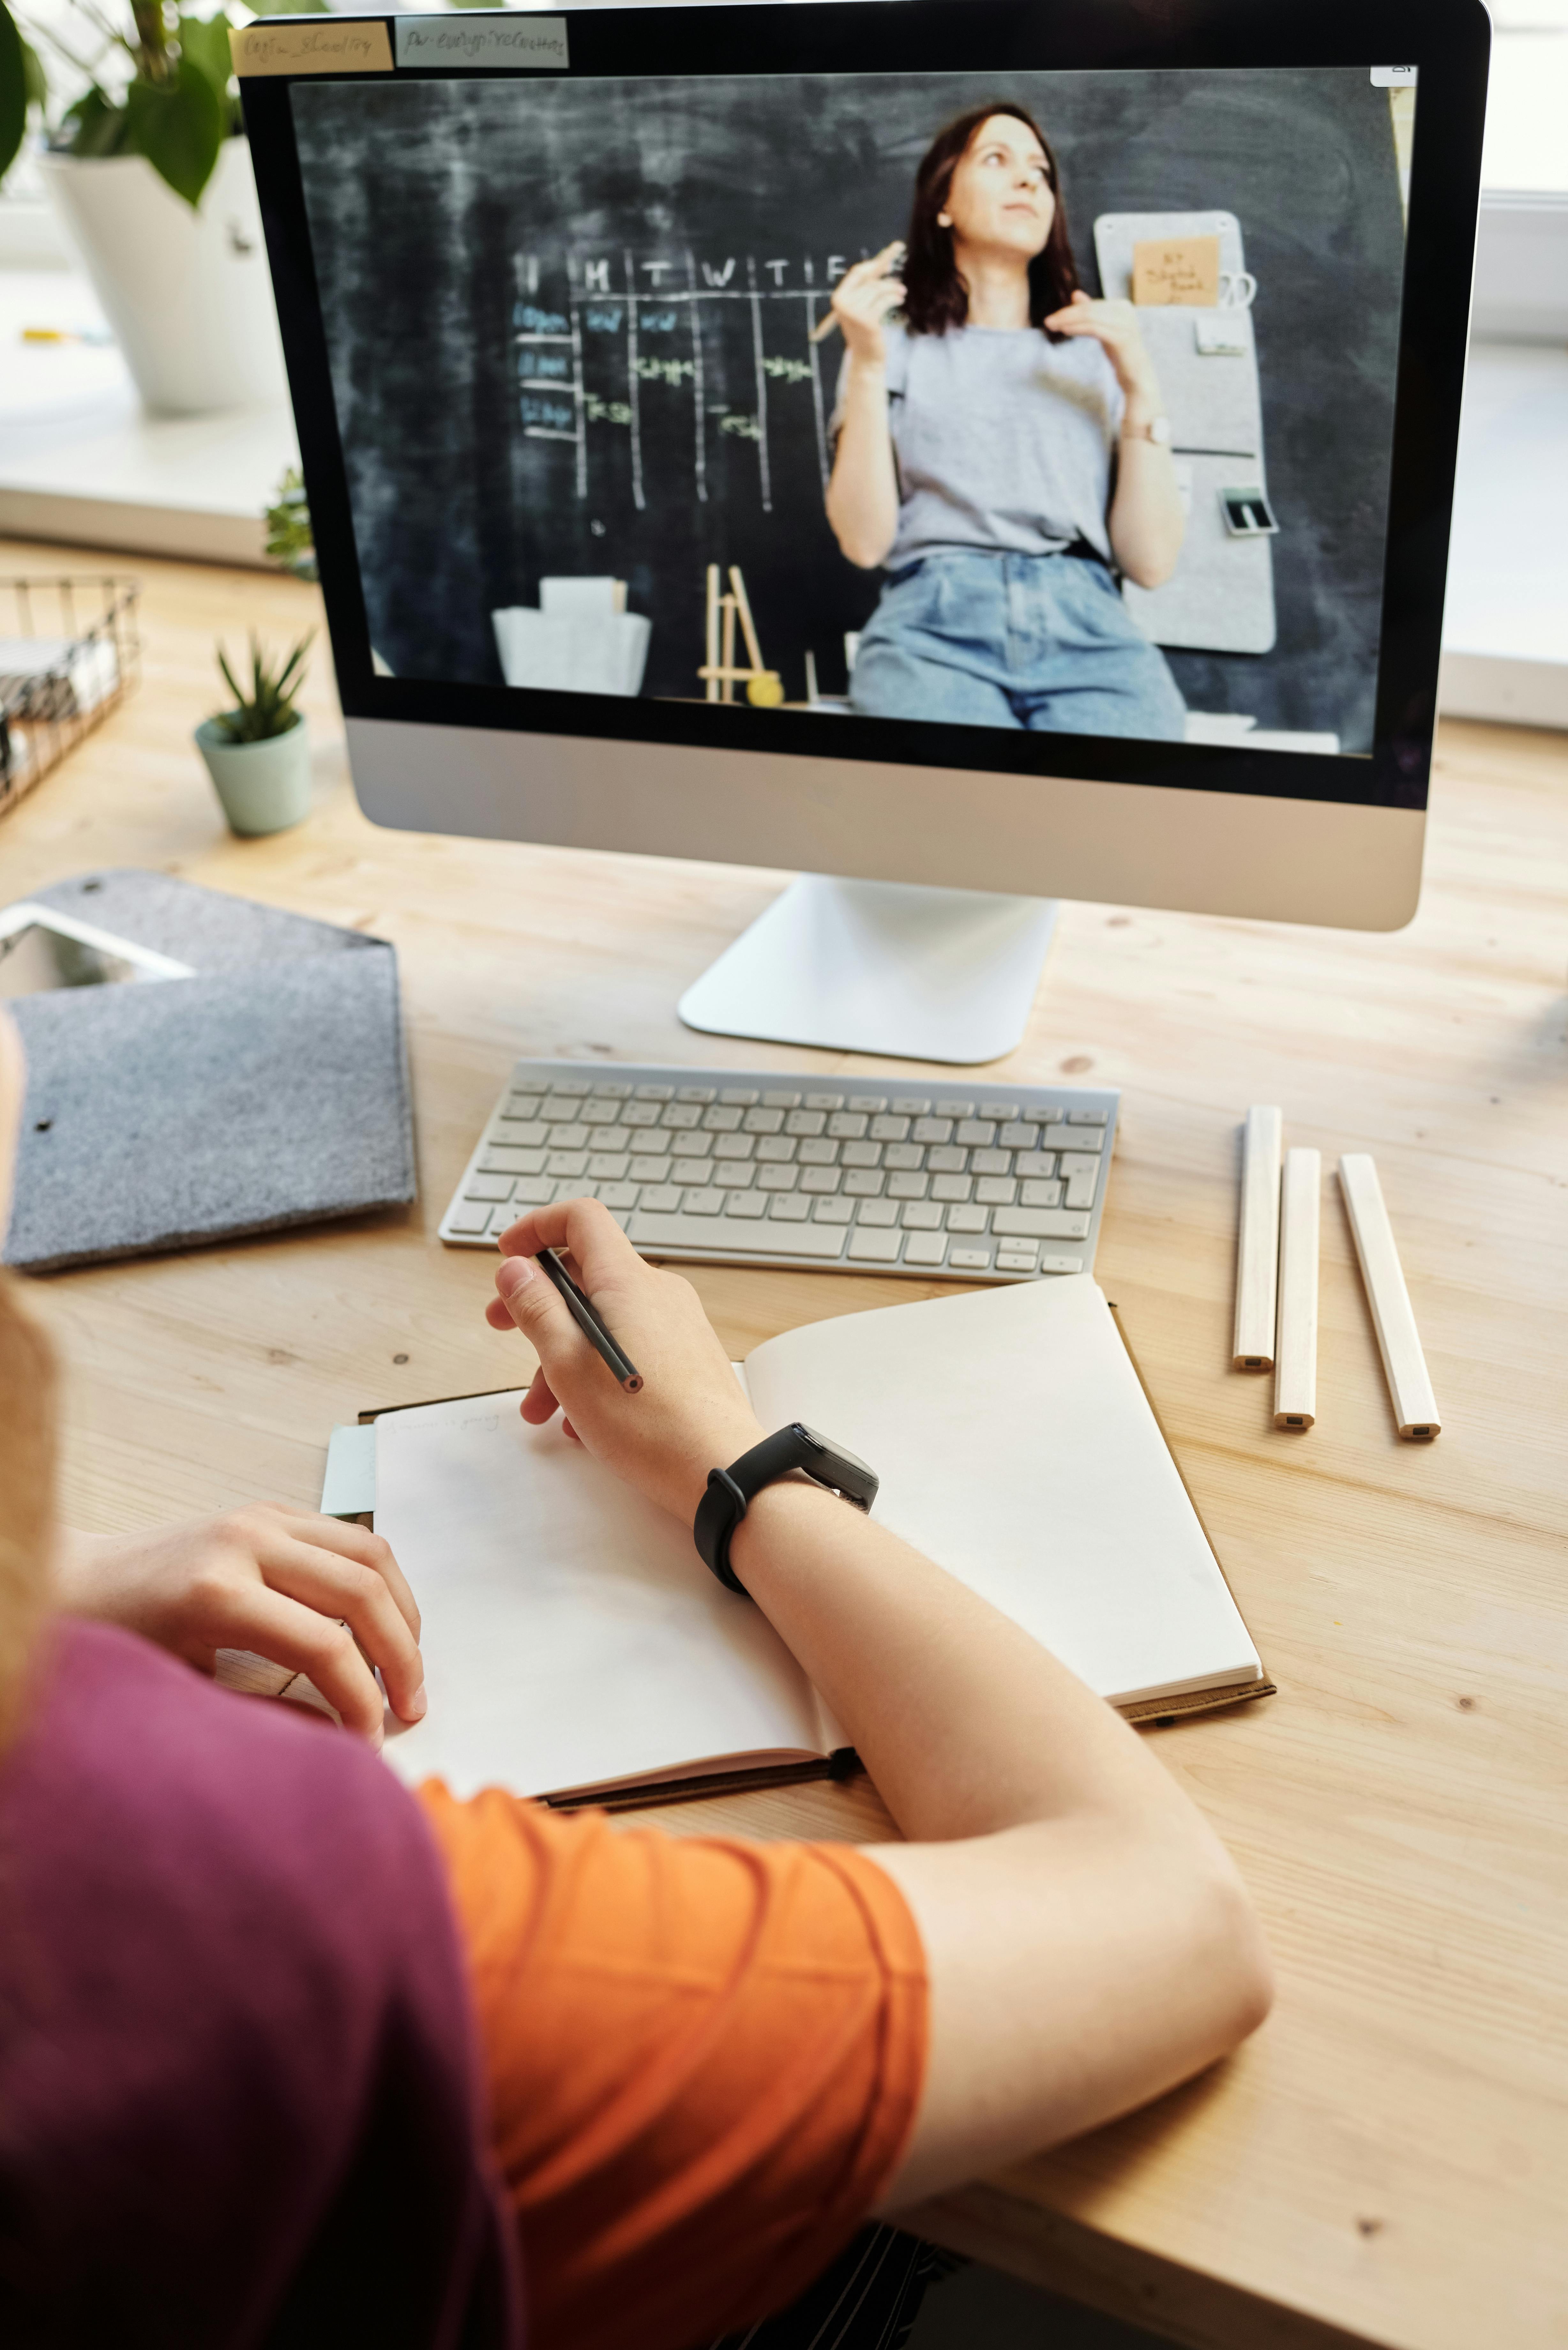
{"x": 263, "y": 786}
{"x": 188, "y": 294}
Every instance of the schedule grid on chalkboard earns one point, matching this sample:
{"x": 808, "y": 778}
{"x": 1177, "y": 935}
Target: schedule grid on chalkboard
{"x": 596, "y": 313}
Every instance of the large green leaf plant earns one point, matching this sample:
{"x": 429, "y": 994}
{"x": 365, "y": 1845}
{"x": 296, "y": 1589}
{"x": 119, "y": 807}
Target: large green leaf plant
{"x": 159, "y": 84}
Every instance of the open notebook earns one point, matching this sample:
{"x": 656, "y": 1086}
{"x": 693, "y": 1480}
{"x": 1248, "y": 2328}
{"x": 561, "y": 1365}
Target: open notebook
{"x": 575, "y": 1646}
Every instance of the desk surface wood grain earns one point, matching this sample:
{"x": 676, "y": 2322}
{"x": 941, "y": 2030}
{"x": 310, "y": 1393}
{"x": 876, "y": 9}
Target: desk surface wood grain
{"x": 1388, "y": 2160}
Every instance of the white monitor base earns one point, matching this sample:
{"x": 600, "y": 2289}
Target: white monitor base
{"x": 880, "y": 967}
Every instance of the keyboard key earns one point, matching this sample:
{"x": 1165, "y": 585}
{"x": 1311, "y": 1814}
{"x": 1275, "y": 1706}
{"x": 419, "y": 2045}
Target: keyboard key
{"x": 880, "y": 1212}
{"x": 777, "y": 1178}
{"x": 1001, "y": 1110}
{"x": 820, "y": 1178}
{"x": 907, "y": 1156}
{"x": 619, "y": 1195}
{"x": 719, "y": 1120}
{"x": 969, "y": 1260}
{"x": 746, "y": 1204}
{"x": 526, "y": 1084}
{"x": 776, "y": 1149}
{"x": 735, "y": 1146}
{"x": 780, "y": 1101}
{"x": 600, "y": 1113}
{"x": 911, "y": 1105}
{"x": 875, "y": 1247}
{"x": 805, "y": 1121}
{"x": 741, "y": 1175}
{"x": 764, "y": 1121}
{"x": 789, "y": 1208}
{"x": 1079, "y": 1163}
{"x": 608, "y": 1166}
{"x": 488, "y": 1187}
{"x": 1035, "y": 1163}
{"x": 691, "y": 1146}
{"x": 1040, "y": 1223}
{"x": 566, "y": 1162}
{"x": 996, "y": 1191}
{"x": 738, "y": 1096}
{"x": 951, "y": 1187}
{"x": 702, "y": 1203}
{"x": 973, "y": 1131}
{"x": 469, "y": 1217}
{"x": 860, "y": 1154}
{"x": 952, "y": 1108}
{"x": 1011, "y": 1261}
{"x": 868, "y": 1102}
{"x": 848, "y": 1126}
{"x": 519, "y": 1107}
{"x": 568, "y": 1135}
{"x": 611, "y": 1093}
{"x": 654, "y": 1168}
{"x": 967, "y": 1220}
{"x": 1072, "y": 1138}
{"x": 679, "y": 1118}
{"x": 825, "y": 1102}
{"x": 1088, "y": 1116}
{"x": 991, "y": 1162}
{"x": 696, "y": 1093}
{"x": 932, "y": 1129}
{"x": 661, "y": 1198}
{"x": 577, "y": 1086}
{"x": 654, "y": 1093}
{"x": 834, "y": 1212}
{"x": 925, "y": 1248}
{"x": 1018, "y": 1137}
{"x": 1080, "y": 1191}
{"x": 1042, "y": 1195}
{"x": 502, "y": 1159}
{"x": 947, "y": 1161}
{"x": 534, "y": 1191}
{"x": 1061, "y": 1264}
{"x": 863, "y": 1183}
{"x": 818, "y": 1154}
{"x": 890, "y": 1129}
{"x": 923, "y": 1216}
{"x": 640, "y": 1113}
{"x": 907, "y": 1187}
{"x": 676, "y": 1234}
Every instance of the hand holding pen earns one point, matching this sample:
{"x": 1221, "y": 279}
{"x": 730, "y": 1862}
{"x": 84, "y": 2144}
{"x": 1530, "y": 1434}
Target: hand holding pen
{"x": 864, "y": 299}
{"x": 691, "y": 1413}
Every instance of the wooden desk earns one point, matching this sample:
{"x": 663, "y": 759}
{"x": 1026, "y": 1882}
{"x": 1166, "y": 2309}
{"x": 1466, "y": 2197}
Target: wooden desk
{"x": 1388, "y": 2160}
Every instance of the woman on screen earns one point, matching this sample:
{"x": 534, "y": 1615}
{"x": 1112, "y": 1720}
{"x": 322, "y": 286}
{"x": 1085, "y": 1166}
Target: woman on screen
{"x": 1002, "y": 451}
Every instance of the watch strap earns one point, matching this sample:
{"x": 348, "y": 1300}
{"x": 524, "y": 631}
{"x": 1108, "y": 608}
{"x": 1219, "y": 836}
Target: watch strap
{"x": 730, "y": 1493}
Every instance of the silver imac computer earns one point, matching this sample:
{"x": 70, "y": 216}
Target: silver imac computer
{"x": 966, "y": 452}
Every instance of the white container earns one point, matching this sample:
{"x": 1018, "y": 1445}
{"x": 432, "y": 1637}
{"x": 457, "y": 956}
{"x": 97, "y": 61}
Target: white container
{"x": 188, "y": 294}
{"x": 263, "y": 786}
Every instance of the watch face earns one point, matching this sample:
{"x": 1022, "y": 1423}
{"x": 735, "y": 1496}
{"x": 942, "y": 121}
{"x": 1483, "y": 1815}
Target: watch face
{"x": 1160, "y": 431}
{"x": 839, "y": 1467}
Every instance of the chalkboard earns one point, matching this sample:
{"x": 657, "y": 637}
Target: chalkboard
{"x": 568, "y": 324}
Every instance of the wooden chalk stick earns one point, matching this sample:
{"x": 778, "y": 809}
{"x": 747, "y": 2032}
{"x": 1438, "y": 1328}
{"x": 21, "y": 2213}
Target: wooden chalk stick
{"x": 1258, "y": 1246}
{"x": 1398, "y": 1340}
{"x": 1295, "y": 1340}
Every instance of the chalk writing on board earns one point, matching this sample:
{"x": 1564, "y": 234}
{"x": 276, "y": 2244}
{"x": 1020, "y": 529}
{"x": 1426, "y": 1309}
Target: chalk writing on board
{"x": 646, "y": 318}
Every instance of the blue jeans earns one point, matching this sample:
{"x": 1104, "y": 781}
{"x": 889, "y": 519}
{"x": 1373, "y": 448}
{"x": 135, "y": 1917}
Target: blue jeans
{"x": 1043, "y": 641}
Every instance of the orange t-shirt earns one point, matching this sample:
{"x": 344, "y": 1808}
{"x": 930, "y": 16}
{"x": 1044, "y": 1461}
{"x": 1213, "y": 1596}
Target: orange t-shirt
{"x": 704, "y": 2058}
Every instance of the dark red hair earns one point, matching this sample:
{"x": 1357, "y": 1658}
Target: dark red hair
{"x": 934, "y": 296}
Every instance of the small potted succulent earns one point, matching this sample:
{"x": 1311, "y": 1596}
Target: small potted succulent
{"x": 258, "y": 752}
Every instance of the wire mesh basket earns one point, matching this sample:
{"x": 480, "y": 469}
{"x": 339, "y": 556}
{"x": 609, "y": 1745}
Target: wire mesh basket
{"x": 68, "y": 653}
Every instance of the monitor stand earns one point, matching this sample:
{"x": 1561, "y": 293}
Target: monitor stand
{"x": 880, "y": 967}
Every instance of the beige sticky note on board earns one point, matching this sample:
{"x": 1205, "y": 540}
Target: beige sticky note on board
{"x": 307, "y": 45}
{"x": 1177, "y": 269}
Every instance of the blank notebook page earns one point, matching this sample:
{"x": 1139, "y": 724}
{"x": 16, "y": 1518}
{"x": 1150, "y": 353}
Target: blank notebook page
{"x": 571, "y": 1636}
{"x": 1016, "y": 1446}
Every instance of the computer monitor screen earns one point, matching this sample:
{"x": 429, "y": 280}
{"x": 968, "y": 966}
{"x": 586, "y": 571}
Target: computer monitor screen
{"x": 973, "y": 388}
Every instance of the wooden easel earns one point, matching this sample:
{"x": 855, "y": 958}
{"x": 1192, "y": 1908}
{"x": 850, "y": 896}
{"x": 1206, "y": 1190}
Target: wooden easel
{"x": 719, "y": 672}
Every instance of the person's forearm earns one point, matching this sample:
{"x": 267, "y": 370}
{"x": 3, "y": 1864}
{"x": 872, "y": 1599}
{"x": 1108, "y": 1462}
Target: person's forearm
{"x": 1147, "y": 520}
{"x": 966, "y": 1725}
{"x": 862, "y": 493}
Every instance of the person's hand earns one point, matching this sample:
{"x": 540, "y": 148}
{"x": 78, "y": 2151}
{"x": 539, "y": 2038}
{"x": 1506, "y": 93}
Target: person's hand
{"x": 1114, "y": 326}
{"x": 295, "y": 1589}
{"x": 865, "y": 298}
{"x": 690, "y": 1415}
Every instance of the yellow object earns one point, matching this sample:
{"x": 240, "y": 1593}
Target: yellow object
{"x": 46, "y": 335}
{"x": 765, "y": 691}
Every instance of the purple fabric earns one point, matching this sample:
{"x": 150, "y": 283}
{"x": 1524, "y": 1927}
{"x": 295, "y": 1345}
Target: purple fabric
{"x": 240, "y": 2100}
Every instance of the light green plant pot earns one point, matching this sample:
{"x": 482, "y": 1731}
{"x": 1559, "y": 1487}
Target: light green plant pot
{"x": 263, "y": 786}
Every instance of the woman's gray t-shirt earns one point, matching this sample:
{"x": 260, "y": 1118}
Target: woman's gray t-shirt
{"x": 1003, "y": 440}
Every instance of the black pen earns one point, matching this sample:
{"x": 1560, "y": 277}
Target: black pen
{"x": 587, "y": 1321}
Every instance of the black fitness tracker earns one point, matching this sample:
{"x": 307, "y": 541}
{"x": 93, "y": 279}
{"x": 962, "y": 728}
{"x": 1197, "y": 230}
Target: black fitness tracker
{"x": 731, "y": 1490}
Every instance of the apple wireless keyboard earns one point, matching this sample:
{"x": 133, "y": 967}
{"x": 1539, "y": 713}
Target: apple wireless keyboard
{"x": 994, "y": 1182}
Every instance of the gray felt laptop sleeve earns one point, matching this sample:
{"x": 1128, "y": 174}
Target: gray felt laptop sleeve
{"x": 269, "y": 1088}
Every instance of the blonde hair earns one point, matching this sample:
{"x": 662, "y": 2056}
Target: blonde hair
{"x": 26, "y": 1493}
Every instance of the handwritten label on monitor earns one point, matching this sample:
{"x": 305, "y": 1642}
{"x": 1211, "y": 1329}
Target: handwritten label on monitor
{"x": 530, "y": 43}
{"x": 1177, "y": 269}
{"x": 312, "y": 44}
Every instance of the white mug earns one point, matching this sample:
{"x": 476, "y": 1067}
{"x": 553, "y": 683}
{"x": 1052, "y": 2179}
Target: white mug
{"x": 1238, "y": 289}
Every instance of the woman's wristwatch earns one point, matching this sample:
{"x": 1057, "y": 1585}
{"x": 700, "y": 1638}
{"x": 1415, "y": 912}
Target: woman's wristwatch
{"x": 1157, "y": 429}
{"x": 732, "y": 1490}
